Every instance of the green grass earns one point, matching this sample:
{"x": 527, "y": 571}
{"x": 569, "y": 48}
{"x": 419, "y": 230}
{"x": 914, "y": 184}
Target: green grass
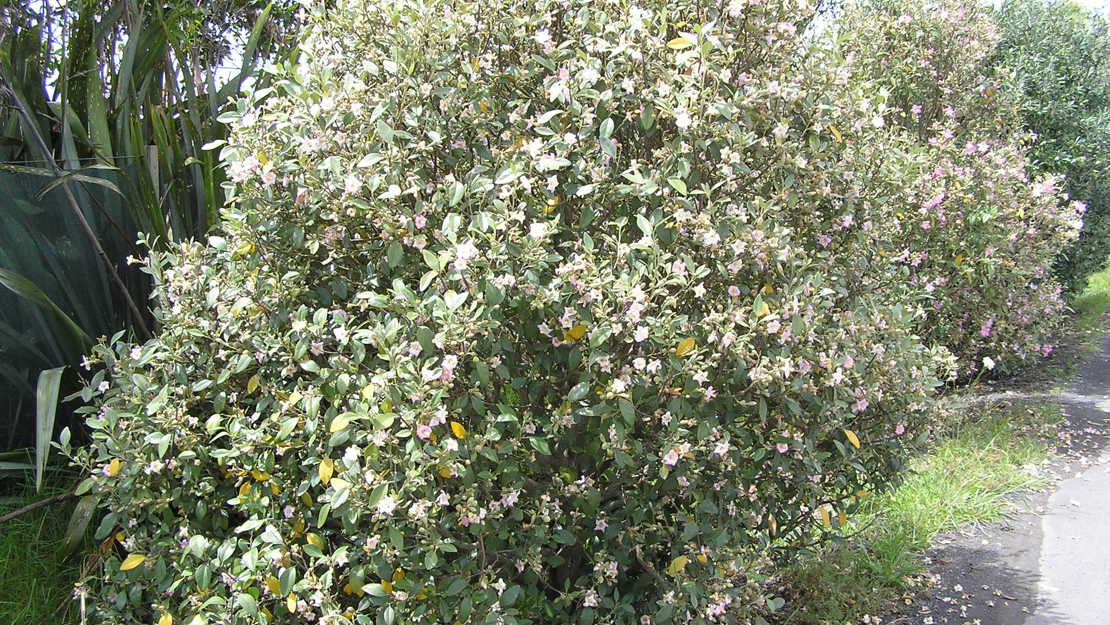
{"x": 968, "y": 477}
{"x": 36, "y": 584}
{"x": 1093, "y": 301}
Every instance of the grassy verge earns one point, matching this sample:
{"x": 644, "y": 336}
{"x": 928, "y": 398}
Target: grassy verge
{"x": 1094, "y": 300}
{"x": 36, "y": 584}
{"x": 967, "y": 478}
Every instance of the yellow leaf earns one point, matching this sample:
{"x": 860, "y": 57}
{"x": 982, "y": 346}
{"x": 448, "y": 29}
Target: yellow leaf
{"x": 398, "y": 575}
{"x": 274, "y": 488}
{"x": 825, "y": 518}
{"x": 482, "y": 105}
{"x": 339, "y": 422}
{"x": 764, "y": 309}
{"x": 388, "y": 586}
{"x": 458, "y": 430}
{"x": 843, "y": 518}
{"x": 294, "y": 397}
{"x": 685, "y": 347}
{"x": 386, "y": 406}
{"x": 702, "y": 558}
{"x": 339, "y": 484}
{"x": 852, "y": 438}
{"x": 132, "y": 561}
{"x": 314, "y": 539}
{"x": 259, "y": 476}
{"x": 166, "y": 619}
{"x": 327, "y": 469}
{"x": 474, "y": 62}
{"x": 679, "y": 43}
{"x": 120, "y": 536}
{"x": 273, "y": 585}
{"x": 575, "y": 333}
{"x": 347, "y": 589}
{"x": 291, "y": 602}
{"x": 767, "y": 289}
{"x": 114, "y": 466}
{"x": 306, "y": 499}
{"x": 367, "y": 392}
{"x": 445, "y": 473}
{"x": 245, "y": 489}
{"x": 959, "y": 260}
{"x": 253, "y": 383}
{"x": 772, "y": 525}
{"x": 836, "y": 133}
{"x": 677, "y": 565}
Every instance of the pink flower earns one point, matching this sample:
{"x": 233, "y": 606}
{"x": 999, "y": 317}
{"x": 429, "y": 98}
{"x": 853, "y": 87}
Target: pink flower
{"x": 899, "y": 429}
{"x": 671, "y": 458}
{"x": 733, "y": 291}
{"x": 985, "y": 331}
{"x": 419, "y": 221}
{"x": 782, "y": 448}
{"x": 423, "y": 431}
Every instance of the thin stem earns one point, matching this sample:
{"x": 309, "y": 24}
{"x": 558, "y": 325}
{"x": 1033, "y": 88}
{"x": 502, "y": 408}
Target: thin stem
{"x": 38, "y": 504}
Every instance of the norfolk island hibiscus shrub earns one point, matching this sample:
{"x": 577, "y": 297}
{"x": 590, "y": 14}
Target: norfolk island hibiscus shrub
{"x": 978, "y": 233}
{"x": 523, "y": 312}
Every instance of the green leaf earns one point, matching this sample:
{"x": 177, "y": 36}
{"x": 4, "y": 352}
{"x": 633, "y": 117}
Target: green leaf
{"x": 456, "y": 587}
{"x": 46, "y": 406}
{"x": 510, "y": 596}
{"x": 394, "y": 253}
{"x": 28, "y": 290}
{"x": 248, "y": 603}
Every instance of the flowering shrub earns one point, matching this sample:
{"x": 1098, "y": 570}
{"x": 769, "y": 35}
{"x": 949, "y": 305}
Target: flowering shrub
{"x": 976, "y": 233}
{"x": 1058, "y": 53}
{"x": 538, "y": 312}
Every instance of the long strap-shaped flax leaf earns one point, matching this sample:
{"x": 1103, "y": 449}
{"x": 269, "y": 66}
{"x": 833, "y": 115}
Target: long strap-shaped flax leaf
{"x": 28, "y": 290}
{"x": 46, "y": 406}
{"x": 7, "y": 90}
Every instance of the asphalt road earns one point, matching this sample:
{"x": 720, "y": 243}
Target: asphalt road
{"x": 1047, "y": 563}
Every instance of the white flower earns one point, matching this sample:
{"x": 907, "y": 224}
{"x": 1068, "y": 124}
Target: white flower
{"x": 386, "y": 505}
{"x": 683, "y": 121}
{"x": 538, "y": 230}
{"x": 988, "y": 362}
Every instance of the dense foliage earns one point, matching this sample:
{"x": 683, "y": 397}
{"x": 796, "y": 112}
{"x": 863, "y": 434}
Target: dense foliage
{"x": 531, "y": 312}
{"x": 1059, "y": 53}
{"x": 979, "y": 232}
{"x": 118, "y": 97}
{"x": 559, "y": 311}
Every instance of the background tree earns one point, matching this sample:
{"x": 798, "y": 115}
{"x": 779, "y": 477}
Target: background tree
{"x": 1059, "y": 54}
